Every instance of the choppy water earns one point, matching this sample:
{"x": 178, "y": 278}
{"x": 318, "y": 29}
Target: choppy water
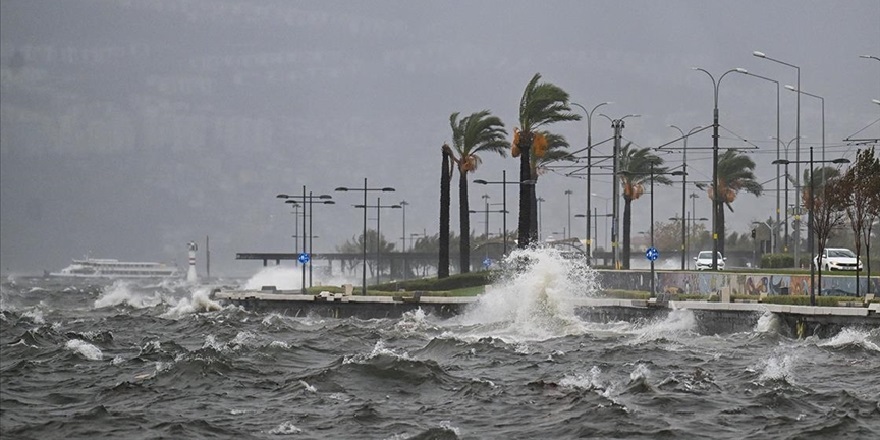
{"x": 134, "y": 360}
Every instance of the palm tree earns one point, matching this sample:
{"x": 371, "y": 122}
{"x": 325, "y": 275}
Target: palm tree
{"x": 540, "y": 105}
{"x": 636, "y": 167}
{"x": 735, "y": 173}
{"x": 477, "y": 133}
{"x": 445, "y": 177}
{"x": 820, "y": 177}
{"x": 538, "y": 165}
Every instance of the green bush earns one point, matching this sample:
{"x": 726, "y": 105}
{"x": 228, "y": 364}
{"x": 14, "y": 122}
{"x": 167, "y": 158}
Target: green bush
{"x": 459, "y": 281}
{"x": 783, "y": 261}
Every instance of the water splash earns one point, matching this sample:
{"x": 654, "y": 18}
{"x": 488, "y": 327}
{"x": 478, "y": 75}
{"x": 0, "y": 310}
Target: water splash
{"x": 677, "y": 324}
{"x": 123, "y": 293}
{"x": 849, "y": 337}
{"x": 767, "y": 323}
{"x": 199, "y": 301}
{"x": 778, "y": 368}
{"x": 534, "y": 297}
{"x": 282, "y": 277}
{"x": 285, "y": 428}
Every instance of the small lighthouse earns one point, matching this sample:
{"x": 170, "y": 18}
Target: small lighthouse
{"x": 191, "y": 276}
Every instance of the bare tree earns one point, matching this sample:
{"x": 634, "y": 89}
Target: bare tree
{"x": 827, "y": 211}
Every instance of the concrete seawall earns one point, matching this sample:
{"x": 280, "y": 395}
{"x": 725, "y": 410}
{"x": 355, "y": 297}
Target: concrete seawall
{"x": 710, "y": 317}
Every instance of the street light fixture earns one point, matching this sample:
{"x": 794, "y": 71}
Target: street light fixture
{"x": 504, "y": 184}
{"x": 589, "y": 165}
{"x": 778, "y": 142}
{"x": 365, "y": 189}
{"x": 617, "y": 125}
{"x": 307, "y": 201}
{"x": 797, "y": 152}
{"x": 716, "y": 202}
{"x": 812, "y": 219}
{"x": 684, "y": 182}
{"x": 379, "y": 206}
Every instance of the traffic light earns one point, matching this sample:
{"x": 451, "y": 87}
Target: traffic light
{"x": 754, "y": 233}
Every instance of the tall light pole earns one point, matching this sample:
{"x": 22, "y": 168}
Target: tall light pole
{"x": 823, "y": 125}
{"x": 307, "y": 201}
{"x": 797, "y": 153}
{"x": 504, "y": 184}
{"x": 812, "y": 222}
{"x": 379, "y": 206}
{"x": 365, "y": 189}
{"x": 684, "y": 182}
{"x": 778, "y": 143}
{"x": 617, "y": 125}
{"x": 540, "y": 201}
{"x": 568, "y": 194}
{"x": 716, "y": 202}
{"x": 403, "y": 204}
{"x": 589, "y": 166}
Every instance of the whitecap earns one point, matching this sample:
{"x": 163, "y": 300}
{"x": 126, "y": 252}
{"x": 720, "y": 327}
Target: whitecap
{"x": 308, "y": 387}
{"x": 778, "y": 368}
{"x": 767, "y": 323}
{"x": 85, "y": 349}
{"x": 285, "y": 428}
{"x": 199, "y": 301}
{"x": 849, "y": 336}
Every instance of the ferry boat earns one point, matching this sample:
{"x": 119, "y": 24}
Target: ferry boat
{"x": 110, "y": 268}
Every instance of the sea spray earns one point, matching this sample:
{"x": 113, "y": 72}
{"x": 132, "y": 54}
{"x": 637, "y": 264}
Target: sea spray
{"x": 198, "y": 301}
{"x": 534, "y": 297}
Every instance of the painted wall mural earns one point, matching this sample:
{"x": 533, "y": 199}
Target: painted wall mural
{"x": 707, "y": 283}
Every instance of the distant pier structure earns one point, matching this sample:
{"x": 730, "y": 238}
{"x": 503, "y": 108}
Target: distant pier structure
{"x": 191, "y": 275}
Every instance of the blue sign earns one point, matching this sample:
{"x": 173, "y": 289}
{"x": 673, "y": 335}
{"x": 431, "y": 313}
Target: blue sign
{"x": 652, "y": 254}
{"x": 303, "y": 258}
{"x": 487, "y": 262}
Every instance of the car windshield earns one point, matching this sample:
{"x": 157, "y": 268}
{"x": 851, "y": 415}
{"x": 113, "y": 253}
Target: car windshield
{"x": 841, "y": 253}
{"x": 707, "y": 255}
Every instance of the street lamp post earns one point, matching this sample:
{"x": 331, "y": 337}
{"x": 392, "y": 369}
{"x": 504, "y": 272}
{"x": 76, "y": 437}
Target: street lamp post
{"x": 307, "y": 201}
{"x": 403, "y": 204}
{"x": 823, "y": 124}
{"x": 540, "y": 201}
{"x": 778, "y": 143}
{"x": 797, "y": 152}
{"x": 684, "y": 182}
{"x": 379, "y": 206}
{"x": 812, "y": 222}
{"x": 365, "y": 189}
{"x": 617, "y": 125}
{"x": 716, "y": 203}
{"x": 589, "y": 166}
{"x": 504, "y": 184}
{"x": 568, "y": 194}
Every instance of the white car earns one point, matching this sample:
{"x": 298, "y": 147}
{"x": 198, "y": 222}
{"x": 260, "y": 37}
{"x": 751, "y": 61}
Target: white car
{"x": 838, "y": 259}
{"x": 704, "y": 260}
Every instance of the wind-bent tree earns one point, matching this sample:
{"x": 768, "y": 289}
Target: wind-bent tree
{"x": 540, "y": 105}
{"x": 857, "y": 184}
{"x": 538, "y": 164}
{"x": 445, "y": 177}
{"x": 826, "y": 213}
{"x": 735, "y": 174}
{"x": 480, "y": 132}
{"x": 635, "y": 167}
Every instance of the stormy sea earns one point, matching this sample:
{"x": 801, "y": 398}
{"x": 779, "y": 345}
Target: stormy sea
{"x": 161, "y": 359}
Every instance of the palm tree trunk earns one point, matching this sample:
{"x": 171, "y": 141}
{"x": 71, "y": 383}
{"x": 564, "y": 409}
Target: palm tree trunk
{"x": 464, "y": 220}
{"x": 443, "y": 264}
{"x": 627, "y": 226}
{"x": 524, "y": 232}
{"x": 533, "y": 203}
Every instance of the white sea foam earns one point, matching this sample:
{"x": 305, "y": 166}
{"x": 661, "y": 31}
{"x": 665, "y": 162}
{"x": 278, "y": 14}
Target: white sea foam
{"x": 85, "y": 349}
{"x": 534, "y": 299}
{"x": 282, "y": 277}
{"x": 848, "y": 336}
{"x": 308, "y": 387}
{"x": 285, "y": 428}
{"x": 589, "y": 381}
{"x": 35, "y": 315}
{"x": 378, "y": 350}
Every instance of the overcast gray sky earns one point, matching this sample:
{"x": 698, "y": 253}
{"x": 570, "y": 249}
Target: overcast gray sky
{"x": 131, "y": 127}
